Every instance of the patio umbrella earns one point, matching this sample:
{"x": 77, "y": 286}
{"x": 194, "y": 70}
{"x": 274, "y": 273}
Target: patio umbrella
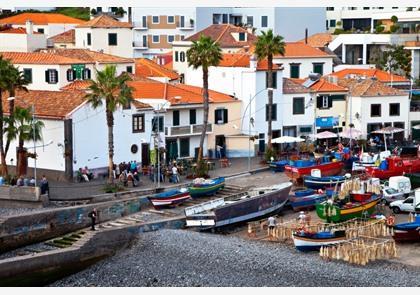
{"x": 287, "y": 139}
{"x": 325, "y": 135}
{"x": 350, "y": 133}
{"x": 388, "y": 130}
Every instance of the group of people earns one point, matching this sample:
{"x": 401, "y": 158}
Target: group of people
{"x": 128, "y": 172}
{"x": 170, "y": 171}
{"x": 25, "y": 181}
{"x": 84, "y": 175}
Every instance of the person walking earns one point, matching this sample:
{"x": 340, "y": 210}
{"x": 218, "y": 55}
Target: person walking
{"x": 45, "y": 188}
{"x": 93, "y": 215}
{"x": 175, "y": 178}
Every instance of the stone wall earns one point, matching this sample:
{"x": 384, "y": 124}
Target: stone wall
{"x": 21, "y": 196}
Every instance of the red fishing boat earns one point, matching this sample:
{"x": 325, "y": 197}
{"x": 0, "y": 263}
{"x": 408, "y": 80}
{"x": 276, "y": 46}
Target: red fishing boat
{"x": 394, "y": 166}
{"x": 327, "y": 169}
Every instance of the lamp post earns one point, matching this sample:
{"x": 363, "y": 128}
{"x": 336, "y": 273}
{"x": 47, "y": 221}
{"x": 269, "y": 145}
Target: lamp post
{"x": 33, "y": 130}
{"x": 157, "y": 137}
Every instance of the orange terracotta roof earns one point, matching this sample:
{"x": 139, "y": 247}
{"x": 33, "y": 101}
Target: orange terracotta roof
{"x": 223, "y": 35}
{"x": 140, "y": 105}
{"x": 40, "y": 58}
{"x": 169, "y": 65}
{"x": 65, "y": 37}
{"x": 299, "y": 49}
{"x": 77, "y": 85}
{"x": 88, "y": 55}
{"x": 369, "y": 87}
{"x": 15, "y": 31}
{"x": 176, "y": 94}
{"x": 318, "y": 40}
{"x": 105, "y": 21}
{"x": 40, "y": 19}
{"x": 292, "y": 86}
{"x": 148, "y": 68}
{"x": 322, "y": 85}
{"x": 242, "y": 60}
{"x": 49, "y": 104}
{"x": 382, "y": 76}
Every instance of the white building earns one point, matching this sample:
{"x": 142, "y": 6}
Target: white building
{"x": 21, "y": 39}
{"x": 68, "y": 141}
{"x": 50, "y": 24}
{"x": 107, "y": 35}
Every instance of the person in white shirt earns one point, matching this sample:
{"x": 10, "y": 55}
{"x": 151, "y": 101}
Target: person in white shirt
{"x": 175, "y": 178}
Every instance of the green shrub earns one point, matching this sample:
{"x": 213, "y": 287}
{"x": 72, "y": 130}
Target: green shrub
{"x": 379, "y": 29}
{"x": 394, "y": 28}
{"x": 113, "y": 188}
{"x": 338, "y": 31}
{"x": 394, "y": 19}
{"x": 268, "y": 154}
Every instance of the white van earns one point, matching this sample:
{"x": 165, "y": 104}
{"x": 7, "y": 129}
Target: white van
{"x": 401, "y": 184}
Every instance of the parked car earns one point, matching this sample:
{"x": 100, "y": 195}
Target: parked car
{"x": 390, "y": 194}
{"x": 406, "y": 205}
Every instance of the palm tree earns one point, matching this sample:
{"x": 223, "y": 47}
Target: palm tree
{"x": 15, "y": 81}
{"x": 266, "y": 46}
{"x": 204, "y": 53}
{"x": 4, "y": 72}
{"x": 23, "y": 128}
{"x": 115, "y": 92}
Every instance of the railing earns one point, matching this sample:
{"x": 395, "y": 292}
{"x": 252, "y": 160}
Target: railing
{"x": 187, "y": 130}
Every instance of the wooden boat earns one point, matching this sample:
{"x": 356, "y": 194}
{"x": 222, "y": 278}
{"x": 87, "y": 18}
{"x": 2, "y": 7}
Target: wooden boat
{"x": 278, "y": 166}
{"x": 169, "y": 198}
{"x": 306, "y": 241}
{"x": 322, "y": 182}
{"x": 407, "y": 232}
{"x": 414, "y": 179}
{"x": 253, "y": 204}
{"x": 296, "y": 173}
{"x": 299, "y": 203}
{"x": 207, "y": 187}
{"x": 395, "y": 166}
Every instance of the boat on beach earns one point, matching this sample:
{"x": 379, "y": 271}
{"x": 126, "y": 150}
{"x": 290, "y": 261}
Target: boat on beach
{"x": 307, "y": 241}
{"x": 407, "y": 232}
{"x": 301, "y": 168}
{"x": 322, "y": 182}
{"x": 252, "y": 204}
{"x": 206, "y": 187}
{"x": 394, "y": 166}
{"x": 278, "y": 166}
{"x": 306, "y": 202}
{"x": 169, "y": 198}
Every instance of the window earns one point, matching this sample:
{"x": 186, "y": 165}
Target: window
{"x": 138, "y": 123}
{"x": 273, "y": 112}
{"x": 155, "y": 38}
{"x": 98, "y": 9}
{"x": 220, "y": 116}
{"x": 193, "y": 117}
{"x": 182, "y": 37}
{"x": 298, "y": 105}
{"x": 144, "y": 21}
{"x": 176, "y": 56}
{"x": 155, "y": 19}
{"x": 40, "y": 31}
{"x": 51, "y": 76}
{"x": 324, "y": 102}
{"x": 112, "y": 39}
{"x": 294, "y": 70}
{"x": 184, "y": 147}
{"x": 171, "y": 38}
{"x": 366, "y": 8}
{"x": 250, "y": 20}
{"x": 182, "y": 56}
{"x": 241, "y": 36}
{"x": 394, "y": 109}
{"x": 171, "y": 19}
{"x": 156, "y": 123}
{"x": 129, "y": 69}
{"x": 71, "y": 75}
{"x": 224, "y": 18}
{"x": 318, "y": 68}
{"x": 89, "y": 39}
{"x": 27, "y": 74}
{"x": 330, "y": 8}
{"x": 326, "y": 24}
{"x": 86, "y": 74}
{"x": 264, "y": 21}
{"x": 175, "y": 118}
{"x": 332, "y": 23}
{"x": 144, "y": 40}
{"x": 274, "y": 77}
{"x": 375, "y": 110}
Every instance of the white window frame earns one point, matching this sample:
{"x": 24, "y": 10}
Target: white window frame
{"x": 153, "y": 39}
{"x": 325, "y": 102}
{"x": 167, "y": 19}
{"x": 51, "y": 75}
{"x": 167, "y": 38}
{"x": 157, "y": 21}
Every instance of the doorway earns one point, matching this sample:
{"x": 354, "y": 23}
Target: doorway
{"x": 220, "y": 141}
{"x": 145, "y": 154}
{"x": 172, "y": 149}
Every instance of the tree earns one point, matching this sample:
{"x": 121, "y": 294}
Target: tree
{"x": 21, "y": 126}
{"x": 120, "y": 12}
{"x": 266, "y": 46}
{"x": 394, "y": 59}
{"x": 394, "y": 19}
{"x": 114, "y": 91}
{"x": 204, "y": 53}
{"x": 4, "y": 72}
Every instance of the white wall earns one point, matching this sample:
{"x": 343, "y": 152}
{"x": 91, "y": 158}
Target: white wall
{"x": 50, "y": 29}
{"x": 22, "y": 42}
{"x": 306, "y": 65}
{"x": 286, "y": 111}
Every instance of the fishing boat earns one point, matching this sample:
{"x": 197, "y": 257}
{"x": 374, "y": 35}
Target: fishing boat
{"x": 169, "y": 198}
{"x": 253, "y": 204}
{"x": 299, "y": 203}
{"x": 414, "y": 179}
{"x": 322, "y": 182}
{"x": 407, "y": 232}
{"x": 301, "y": 168}
{"x": 394, "y": 166}
{"x": 278, "y": 166}
{"x": 307, "y": 241}
{"x": 202, "y": 187}
{"x": 355, "y": 199}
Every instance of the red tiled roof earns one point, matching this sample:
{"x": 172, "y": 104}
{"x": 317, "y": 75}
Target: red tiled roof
{"x": 299, "y": 49}
{"x": 382, "y": 76}
{"x": 318, "y": 40}
{"x": 88, "y": 55}
{"x": 40, "y": 19}
{"x": 242, "y": 60}
{"x": 293, "y": 86}
{"x": 65, "y": 37}
{"x": 369, "y": 87}
{"x": 49, "y": 104}
{"x": 40, "y": 58}
{"x": 148, "y": 68}
{"x": 223, "y": 35}
{"x": 322, "y": 85}
{"x": 15, "y": 31}
{"x": 105, "y": 21}
{"x": 77, "y": 85}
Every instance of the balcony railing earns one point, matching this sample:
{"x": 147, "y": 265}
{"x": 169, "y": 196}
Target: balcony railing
{"x": 187, "y": 130}
{"x": 140, "y": 26}
{"x": 185, "y": 26}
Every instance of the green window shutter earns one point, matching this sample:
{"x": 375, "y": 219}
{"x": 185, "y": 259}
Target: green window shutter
{"x": 225, "y": 116}
{"x": 27, "y": 74}
{"x": 318, "y": 68}
{"x": 294, "y": 71}
{"x": 274, "y": 112}
{"x": 193, "y": 117}
{"x": 298, "y": 106}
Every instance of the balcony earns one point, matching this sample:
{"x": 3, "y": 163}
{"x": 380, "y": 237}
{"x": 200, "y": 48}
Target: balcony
{"x": 140, "y": 45}
{"x": 140, "y": 26}
{"x": 185, "y": 26}
{"x": 187, "y": 130}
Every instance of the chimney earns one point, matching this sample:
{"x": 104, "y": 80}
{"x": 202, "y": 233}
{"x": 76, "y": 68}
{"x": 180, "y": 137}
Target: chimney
{"x": 253, "y": 62}
{"x": 306, "y": 36}
{"x": 29, "y": 27}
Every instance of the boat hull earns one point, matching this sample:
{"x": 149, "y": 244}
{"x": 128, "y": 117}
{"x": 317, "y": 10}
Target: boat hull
{"x": 307, "y": 202}
{"x": 208, "y": 190}
{"x": 306, "y": 244}
{"x": 410, "y": 235}
{"x": 278, "y": 166}
{"x": 321, "y": 182}
{"x": 168, "y": 201}
{"x": 327, "y": 169}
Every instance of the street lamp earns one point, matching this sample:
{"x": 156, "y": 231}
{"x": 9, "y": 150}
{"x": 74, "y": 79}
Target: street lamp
{"x": 157, "y": 136}
{"x": 33, "y": 130}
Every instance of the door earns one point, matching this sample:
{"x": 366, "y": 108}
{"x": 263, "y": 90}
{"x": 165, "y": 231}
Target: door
{"x": 261, "y": 143}
{"x": 172, "y": 149}
{"x": 145, "y": 155}
{"x": 220, "y": 141}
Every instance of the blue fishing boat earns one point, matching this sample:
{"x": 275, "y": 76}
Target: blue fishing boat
{"x": 201, "y": 187}
{"x": 407, "y": 232}
{"x": 299, "y": 203}
{"x": 278, "y": 166}
{"x": 322, "y": 182}
{"x": 306, "y": 241}
{"x": 169, "y": 198}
